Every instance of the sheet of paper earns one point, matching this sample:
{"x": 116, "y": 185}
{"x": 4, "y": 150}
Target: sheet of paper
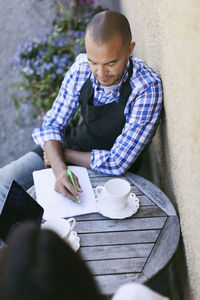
{"x": 56, "y": 205}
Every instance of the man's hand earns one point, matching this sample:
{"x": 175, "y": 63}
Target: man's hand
{"x": 46, "y": 160}
{"x": 53, "y": 156}
{"x": 64, "y": 186}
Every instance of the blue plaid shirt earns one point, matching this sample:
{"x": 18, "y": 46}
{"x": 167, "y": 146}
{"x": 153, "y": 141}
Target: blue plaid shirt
{"x": 142, "y": 110}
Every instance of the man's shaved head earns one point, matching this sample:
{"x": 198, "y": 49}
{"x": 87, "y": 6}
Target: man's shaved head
{"x": 108, "y": 45}
{"x": 107, "y": 24}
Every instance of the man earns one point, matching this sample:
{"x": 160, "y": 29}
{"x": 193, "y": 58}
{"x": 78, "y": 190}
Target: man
{"x": 120, "y": 99}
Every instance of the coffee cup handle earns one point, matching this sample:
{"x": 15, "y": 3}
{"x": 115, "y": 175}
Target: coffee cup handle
{"x": 99, "y": 190}
{"x": 72, "y": 223}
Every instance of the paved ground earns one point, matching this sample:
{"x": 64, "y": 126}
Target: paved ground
{"x": 19, "y": 19}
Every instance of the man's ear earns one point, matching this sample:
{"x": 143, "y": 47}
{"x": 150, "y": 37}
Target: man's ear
{"x": 131, "y": 48}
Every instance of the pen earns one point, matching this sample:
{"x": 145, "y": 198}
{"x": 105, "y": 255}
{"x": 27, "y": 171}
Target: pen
{"x": 69, "y": 175}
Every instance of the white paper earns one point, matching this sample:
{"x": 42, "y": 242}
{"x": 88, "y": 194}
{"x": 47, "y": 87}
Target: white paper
{"x": 56, "y": 205}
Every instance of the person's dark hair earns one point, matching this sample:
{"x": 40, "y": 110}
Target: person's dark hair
{"x": 106, "y": 24}
{"x": 38, "y": 265}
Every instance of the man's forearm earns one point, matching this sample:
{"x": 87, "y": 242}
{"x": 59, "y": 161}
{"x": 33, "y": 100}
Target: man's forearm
{"x": 54, "y": 152}
{"x": 77, "y": 157}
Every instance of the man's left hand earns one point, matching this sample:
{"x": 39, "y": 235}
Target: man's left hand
{"x": 46, "y": 160}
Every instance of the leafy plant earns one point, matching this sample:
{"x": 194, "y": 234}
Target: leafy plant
{"x": 43, "y": 61}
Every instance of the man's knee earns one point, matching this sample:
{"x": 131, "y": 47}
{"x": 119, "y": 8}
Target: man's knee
{"x": 19, "y": 170}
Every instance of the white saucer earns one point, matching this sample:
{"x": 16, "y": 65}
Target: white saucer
{"x": 130, "y": 208}
{"x": 74, "y": 241}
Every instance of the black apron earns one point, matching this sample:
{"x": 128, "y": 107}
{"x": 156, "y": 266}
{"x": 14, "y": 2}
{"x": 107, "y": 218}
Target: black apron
{"x": 102, "y": 124}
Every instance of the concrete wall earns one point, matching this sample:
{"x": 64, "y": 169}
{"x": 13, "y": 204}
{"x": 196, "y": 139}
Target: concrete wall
{"x": 167, "y": 35}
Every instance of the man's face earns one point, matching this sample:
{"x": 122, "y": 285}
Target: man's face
{"x": 109, "y": 60}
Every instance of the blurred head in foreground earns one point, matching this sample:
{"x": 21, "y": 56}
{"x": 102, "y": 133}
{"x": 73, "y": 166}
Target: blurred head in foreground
{"x": 38, "y": 265}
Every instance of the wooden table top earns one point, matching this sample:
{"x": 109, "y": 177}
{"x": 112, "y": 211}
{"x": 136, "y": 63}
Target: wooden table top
{"x": 130, "y": 249}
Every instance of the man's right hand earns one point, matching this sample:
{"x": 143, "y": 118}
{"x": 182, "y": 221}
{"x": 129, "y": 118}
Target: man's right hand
{"x": 54, "y": 155}
{"x": 64, "y": 186}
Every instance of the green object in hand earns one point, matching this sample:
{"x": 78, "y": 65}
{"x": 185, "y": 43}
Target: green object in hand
{"x": 69, "y": 175}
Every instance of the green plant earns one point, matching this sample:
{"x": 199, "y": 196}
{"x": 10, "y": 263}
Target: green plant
{"x": 43, "y": 61}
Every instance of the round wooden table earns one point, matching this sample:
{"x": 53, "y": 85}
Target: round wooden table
{"x": 130, "y": 249}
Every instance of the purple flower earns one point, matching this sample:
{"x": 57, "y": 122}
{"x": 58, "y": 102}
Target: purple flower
{"x": 41, "y": 71}
{"x": 77, "y": 34}
{"x": 53, "y": 76}
{"x": 76, "y": 48}
{"x": 68, "y": 39}
{"x": 82, "y": 35}
{"x": 48, "y": 66}
{"x": 60, "y": 71}
{"x": 61, "y": 42}
{"x": 36, "y": 62}
{"x": 40, "y": 53}
{"x": 55, "y": 59}
{"x": 70, "y": 32}
{"x": 55, "y": 43}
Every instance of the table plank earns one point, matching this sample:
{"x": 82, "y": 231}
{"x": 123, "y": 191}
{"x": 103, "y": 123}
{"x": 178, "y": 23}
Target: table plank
{"x": 120, "y": 225}
{"x": 143, "y": 211}
{"x": 149, "y": 211}
{"x": 164, "y": 248}
{"x": 144, "y": 200}
{"x": 152, "y": 192}
{"x": 118, "y": 251}
{"x": 116, "y": 238}
{"x": 108, "y": 284}
{"x": 116, "y": 266}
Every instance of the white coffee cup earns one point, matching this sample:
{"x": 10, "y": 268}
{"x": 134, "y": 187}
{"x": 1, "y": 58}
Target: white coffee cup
{"x": 61, "y": 226}
{"x": 114, "y": 193}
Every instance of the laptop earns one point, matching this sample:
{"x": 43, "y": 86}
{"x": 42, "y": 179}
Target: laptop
{"x": 18, "y": 207}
